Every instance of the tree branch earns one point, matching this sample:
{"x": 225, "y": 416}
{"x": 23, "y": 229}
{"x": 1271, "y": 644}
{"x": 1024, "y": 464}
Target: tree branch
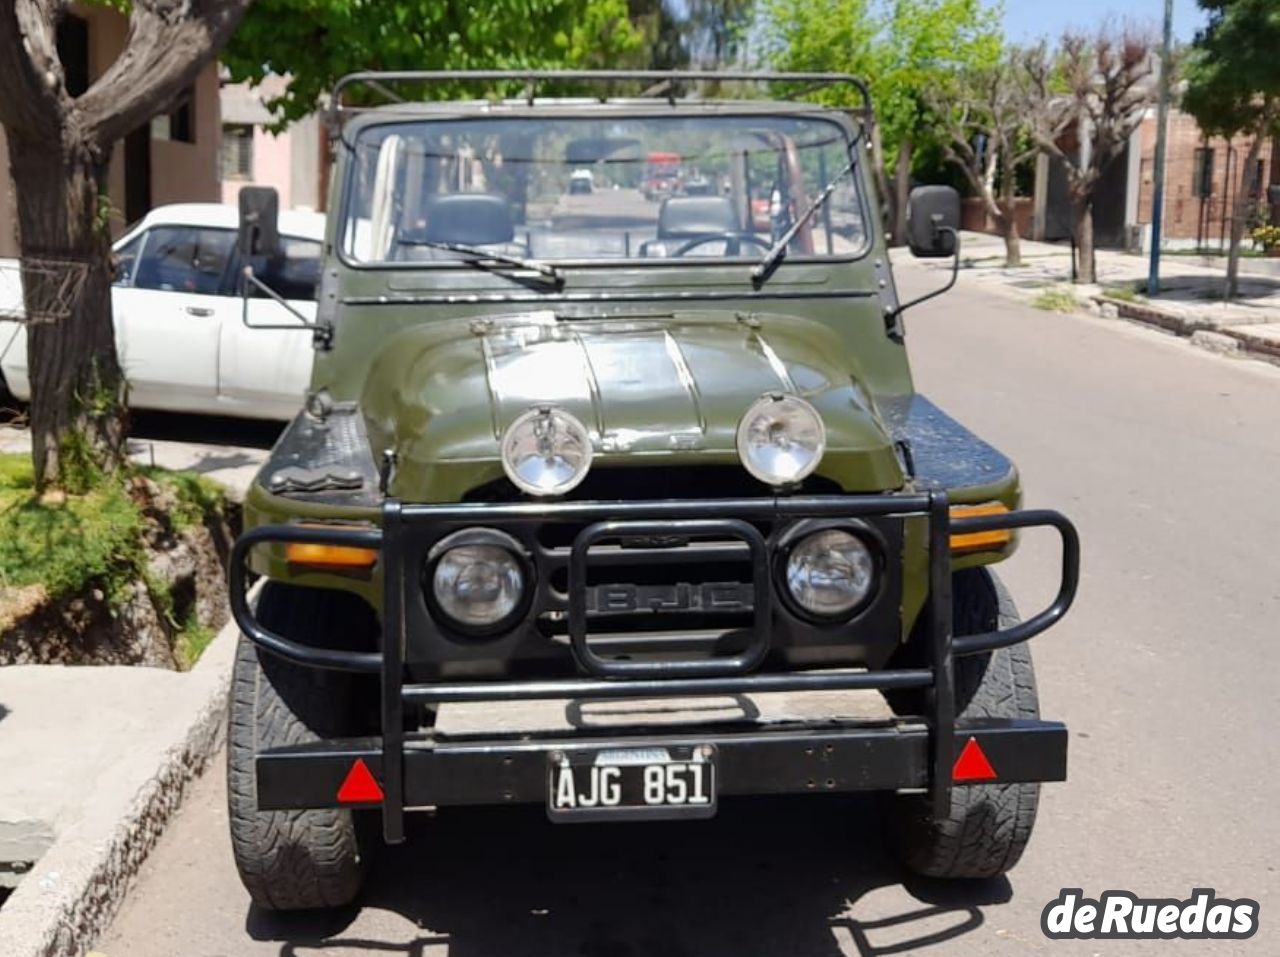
{"x": 33, "y": 96}
{"x": 169, "y": 42}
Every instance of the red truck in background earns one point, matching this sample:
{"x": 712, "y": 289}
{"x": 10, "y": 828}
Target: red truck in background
{"x": 661, "y": 175}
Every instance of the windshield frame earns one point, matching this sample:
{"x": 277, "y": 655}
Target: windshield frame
{"x": 853, "y": 131}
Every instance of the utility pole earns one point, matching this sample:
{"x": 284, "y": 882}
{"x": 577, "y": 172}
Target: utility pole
{"x": 1162, "y": 124}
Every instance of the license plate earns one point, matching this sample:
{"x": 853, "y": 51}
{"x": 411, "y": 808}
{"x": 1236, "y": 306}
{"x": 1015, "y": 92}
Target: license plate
{"x": 662, "y": 783}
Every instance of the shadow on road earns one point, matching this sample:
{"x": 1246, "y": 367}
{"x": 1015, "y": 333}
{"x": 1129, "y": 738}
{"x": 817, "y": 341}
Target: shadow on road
{"x": 772, "y": 876}
{"x": 173, "y": 426}
{"x": 207, "y": 429}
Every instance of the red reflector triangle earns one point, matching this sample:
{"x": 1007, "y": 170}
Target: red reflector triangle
{"x": 360, "y": 786}
{"x": 972, "y": 765}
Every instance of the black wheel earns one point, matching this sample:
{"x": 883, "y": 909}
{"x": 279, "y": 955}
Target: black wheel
{"x": 292, "y": 860}
{"x": 989, "y": 824}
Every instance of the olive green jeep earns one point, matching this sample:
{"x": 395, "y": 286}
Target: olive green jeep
{"x": 612, "y": 492}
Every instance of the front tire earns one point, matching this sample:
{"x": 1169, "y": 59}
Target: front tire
{"x": 290, "y": 860}
{"x": 989, "y": 824}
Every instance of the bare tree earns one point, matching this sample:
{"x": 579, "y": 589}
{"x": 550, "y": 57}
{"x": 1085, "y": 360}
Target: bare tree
{"x": 1095, "y": 90}
{"x": 982, "y": 115}
{"x": 59, "y": 147}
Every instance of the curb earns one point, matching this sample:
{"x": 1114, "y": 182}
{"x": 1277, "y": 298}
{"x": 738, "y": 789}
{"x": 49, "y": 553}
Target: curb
{"x": 1224, "y": 340}
{"x": 75, "y": 889}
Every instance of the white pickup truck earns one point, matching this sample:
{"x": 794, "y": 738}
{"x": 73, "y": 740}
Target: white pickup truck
{"x": 178, "y": 316}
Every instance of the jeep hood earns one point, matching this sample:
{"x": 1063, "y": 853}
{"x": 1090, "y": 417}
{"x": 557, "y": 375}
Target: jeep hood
{"x": 658, "y": 392}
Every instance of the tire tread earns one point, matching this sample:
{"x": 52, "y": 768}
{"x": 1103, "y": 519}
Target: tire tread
{"x": 288, "y": 860}
{"x": 990, "y": 824}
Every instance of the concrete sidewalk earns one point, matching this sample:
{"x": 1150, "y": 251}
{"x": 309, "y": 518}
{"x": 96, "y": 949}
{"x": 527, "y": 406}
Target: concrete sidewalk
{"x": 95, "y": 761}
{"x": 1190, "y": 301}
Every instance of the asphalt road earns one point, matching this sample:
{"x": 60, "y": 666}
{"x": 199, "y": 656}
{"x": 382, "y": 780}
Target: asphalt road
{"x": 1169, "y": 460}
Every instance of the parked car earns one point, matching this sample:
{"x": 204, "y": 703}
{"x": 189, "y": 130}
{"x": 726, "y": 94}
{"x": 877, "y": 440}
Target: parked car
{"x": 557, "y": 466}
{"x": 582, "y": 182}
{"x": 179, "y": 317}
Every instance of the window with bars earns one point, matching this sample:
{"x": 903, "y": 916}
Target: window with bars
{"x": 237, "y": 151}
{"x": 1202, "y": 173}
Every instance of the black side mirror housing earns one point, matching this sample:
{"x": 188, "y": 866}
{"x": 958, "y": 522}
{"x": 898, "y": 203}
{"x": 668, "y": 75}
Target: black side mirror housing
{"x": 259, "y": 233}
{"x": 933, "y": 219}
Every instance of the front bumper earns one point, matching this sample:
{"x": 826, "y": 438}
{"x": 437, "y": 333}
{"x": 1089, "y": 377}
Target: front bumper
{"x": 511, "y": 770}
{"x": 420, "y": 769}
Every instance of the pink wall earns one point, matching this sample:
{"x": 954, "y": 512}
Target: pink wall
{"x": 272, "y": 158}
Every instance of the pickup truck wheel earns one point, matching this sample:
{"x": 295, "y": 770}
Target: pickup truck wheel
{"x": 290, "y": 860}
{"x": 990, "y": 824}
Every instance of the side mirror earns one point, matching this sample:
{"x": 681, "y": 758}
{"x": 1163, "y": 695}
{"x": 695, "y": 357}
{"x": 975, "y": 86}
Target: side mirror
{"x": 259, "y": 222}
{"x": 933, "y": 218}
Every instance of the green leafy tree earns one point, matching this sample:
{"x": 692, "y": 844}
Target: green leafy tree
{"x": 59, "y": 145}
{"x": 683, "y": 33}
{"x": 1233, "y": 88}
{"x": 903, "y": 48}
{"x": 315, "y": 42}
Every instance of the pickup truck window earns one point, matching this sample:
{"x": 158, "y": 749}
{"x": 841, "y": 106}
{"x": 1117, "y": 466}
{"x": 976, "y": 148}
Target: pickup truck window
{"x": 186, "y": 259}
{"x": 126, "y": 260}
{"x": 295, "y": 273}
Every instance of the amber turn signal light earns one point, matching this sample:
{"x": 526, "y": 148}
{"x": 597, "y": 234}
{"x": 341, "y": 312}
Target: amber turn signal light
{"x": 980, "y": 541}
{"x": 330, "y": 556}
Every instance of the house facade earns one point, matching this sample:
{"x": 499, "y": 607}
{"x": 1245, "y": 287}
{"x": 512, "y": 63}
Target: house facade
{"x": 172, "y": 159}
{"x": 293, "y": 161}
{"x": 1203, "y": 176}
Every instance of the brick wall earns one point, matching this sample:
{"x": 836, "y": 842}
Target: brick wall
{"x": 1186, "y": 215}
{"x": 974, "y": 215}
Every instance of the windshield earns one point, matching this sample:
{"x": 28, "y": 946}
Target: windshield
{"x": 585, "y": 189}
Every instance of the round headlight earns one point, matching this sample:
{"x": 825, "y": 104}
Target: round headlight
{"x": 830, "y": 573}
{"x": 478, "y": 580}
{"x": 781, "y": 439}
{"x": 546, "y": 451}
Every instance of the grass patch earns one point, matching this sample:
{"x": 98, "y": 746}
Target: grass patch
{"x": 66, "y": 543}
{"x": 76, "y": 542}
{"x": 190, "y": 642}
{"x": 1126, "y": 293}
{"x": 195, "y": 498}
{"x": 1056, "y": 299}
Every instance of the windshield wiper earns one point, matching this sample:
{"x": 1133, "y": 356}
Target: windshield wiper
{"x": 480, "y": 255}
{"x": 762, "y": 270}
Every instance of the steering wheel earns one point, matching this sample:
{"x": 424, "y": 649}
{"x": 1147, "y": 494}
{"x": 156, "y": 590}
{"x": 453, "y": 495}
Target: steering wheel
{"x": 732, "y": 243}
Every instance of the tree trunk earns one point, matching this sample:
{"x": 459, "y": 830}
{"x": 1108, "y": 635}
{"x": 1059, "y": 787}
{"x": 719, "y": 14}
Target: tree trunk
{"x": 77, "y": 390}
{"x": 901, "y": 191}
{"x": 1009, "y": 230}
{"x": 1009, "y": 210}
{"x": 1239, "y": 218}
{"x": 1082, "y": 229}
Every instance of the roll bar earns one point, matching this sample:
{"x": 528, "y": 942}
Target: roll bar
{"x": 661, "y": 83}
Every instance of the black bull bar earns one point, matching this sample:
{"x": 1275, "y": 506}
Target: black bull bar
{"x": 416, "y": 771}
